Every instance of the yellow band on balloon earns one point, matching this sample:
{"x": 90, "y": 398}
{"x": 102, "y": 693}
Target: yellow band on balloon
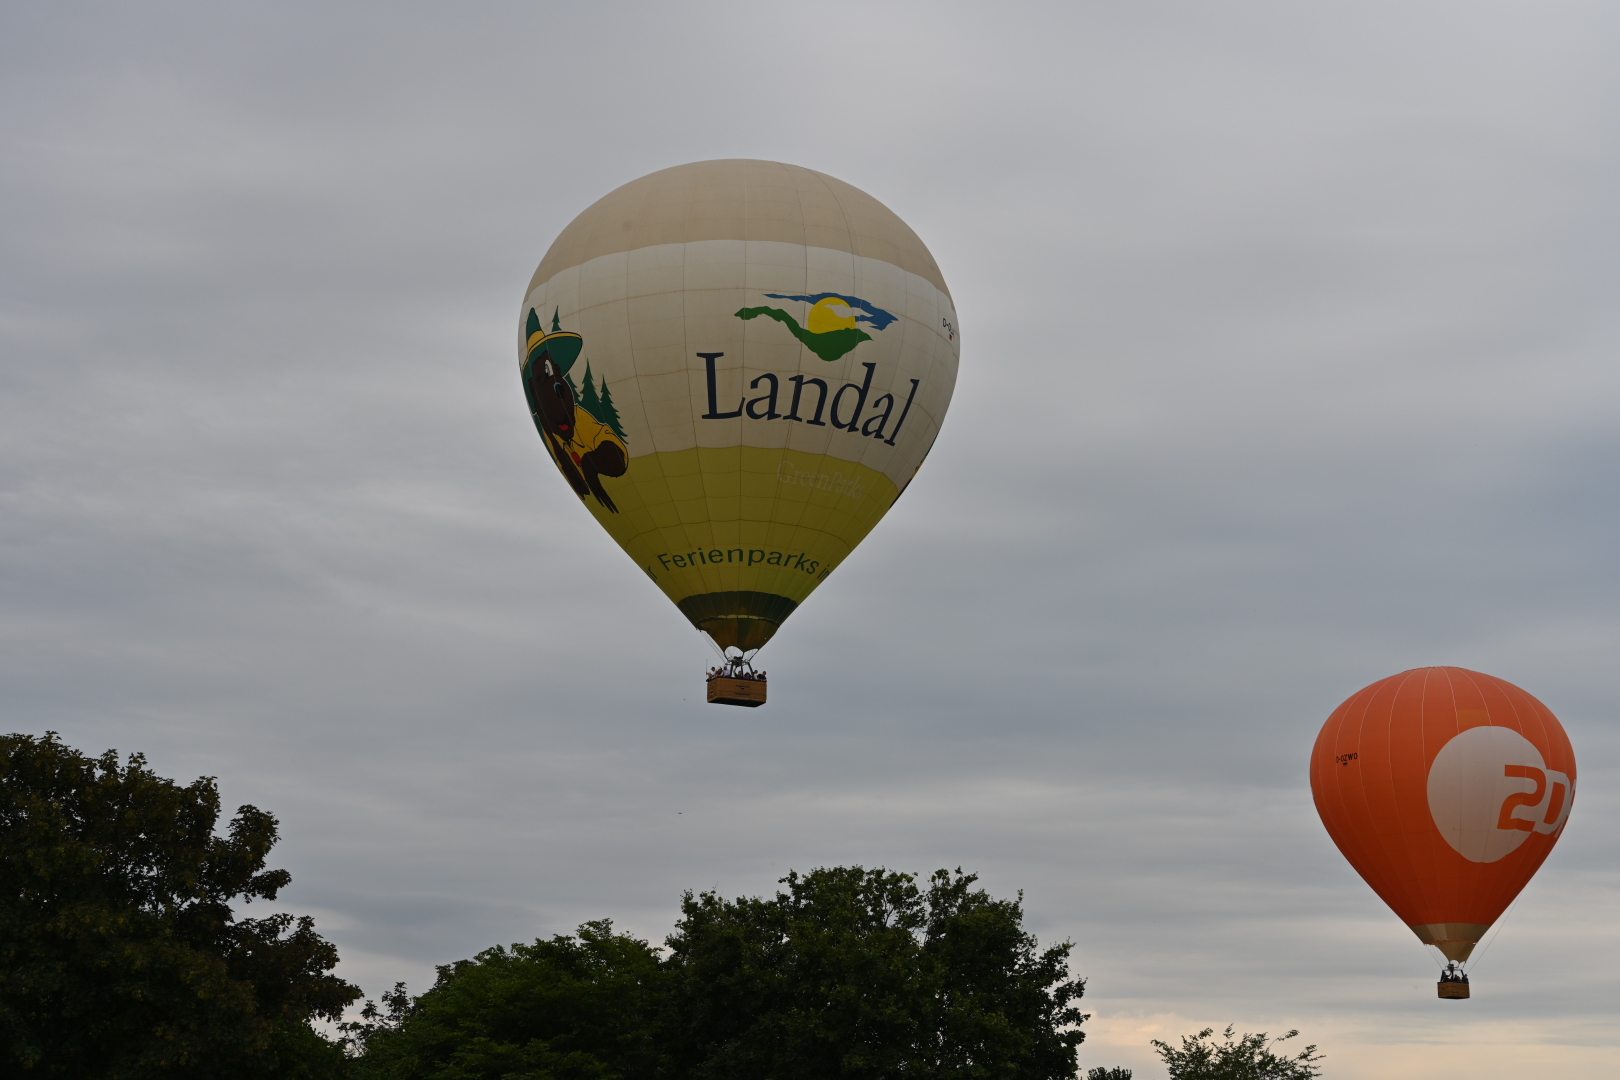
{"x": 742, "y": 519}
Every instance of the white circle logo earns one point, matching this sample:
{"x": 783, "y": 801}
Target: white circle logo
{"x": 1489, "y": 789}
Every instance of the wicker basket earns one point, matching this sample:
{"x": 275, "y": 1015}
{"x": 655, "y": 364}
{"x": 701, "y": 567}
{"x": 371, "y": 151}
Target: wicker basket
{"x": 749, "y": 693}
{"x": 1452, "y": 990}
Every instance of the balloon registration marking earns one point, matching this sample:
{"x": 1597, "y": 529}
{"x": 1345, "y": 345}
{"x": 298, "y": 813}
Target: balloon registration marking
{"x": 1489, "y": 789}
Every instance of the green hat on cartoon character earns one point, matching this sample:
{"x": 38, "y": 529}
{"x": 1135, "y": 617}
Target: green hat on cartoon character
{"x": 563, "y": 345}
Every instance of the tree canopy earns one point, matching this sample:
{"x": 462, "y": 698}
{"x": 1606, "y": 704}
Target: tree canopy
{"x": 1249, "y": 1057}
{"x": 120, "y": 956}
{"x": 580, "y": 1008}
{"x": 859, "y": 973}
{"x": 849, "y": 972}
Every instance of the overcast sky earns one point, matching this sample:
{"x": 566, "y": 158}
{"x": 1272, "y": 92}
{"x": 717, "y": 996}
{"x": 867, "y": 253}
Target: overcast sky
{"x": 1289, "y": 362}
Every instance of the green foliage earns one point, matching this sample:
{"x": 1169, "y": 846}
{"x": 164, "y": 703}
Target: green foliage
{"x": 569, "y": 1008}
{"x": 849, "y": 973}
{"x": 1250, "y": 1057}
{"x": 1108, "y": 1074}
{"x": 829, "y": 345}
{"x": 120, "y": 956}
{"x": 599, "y": 406}
{"x": 610, "y": 412}
{"x": 587, "y": 397}
{"x": 858, "y": 973}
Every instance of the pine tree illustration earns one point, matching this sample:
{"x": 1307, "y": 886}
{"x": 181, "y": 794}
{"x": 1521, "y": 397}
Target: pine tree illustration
{"x": 587, "y": 398}
{"x": 610, "y": 413}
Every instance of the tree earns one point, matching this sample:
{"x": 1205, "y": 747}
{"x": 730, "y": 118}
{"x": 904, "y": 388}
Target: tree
{"x": 610, "y": 412}
{"x": 1250, "y": 1057}
{"x": 858, "y": 973}
{"x": 1108, "y": 1074}
{"x": 587, "y": 398}
{"x": 120, "y": 956}
{"x": 849, "y": 973}
{"x": 569, "y": 1008}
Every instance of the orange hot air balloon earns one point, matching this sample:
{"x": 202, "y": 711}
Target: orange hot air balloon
{"x": 1446, "y": 789}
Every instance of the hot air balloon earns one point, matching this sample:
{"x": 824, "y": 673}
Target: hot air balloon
{"x": 738, "y": 366}
{"x": 1446, "y": 789}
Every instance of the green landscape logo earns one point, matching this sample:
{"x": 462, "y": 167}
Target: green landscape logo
{"x": 833, "y": 323}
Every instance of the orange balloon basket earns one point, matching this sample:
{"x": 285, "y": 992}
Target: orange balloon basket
{"x": 1452, "y": 991}
{"x": 749, "y": 693}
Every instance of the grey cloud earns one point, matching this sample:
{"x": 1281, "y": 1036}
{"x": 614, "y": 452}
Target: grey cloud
{"x": 1305, "y": 315}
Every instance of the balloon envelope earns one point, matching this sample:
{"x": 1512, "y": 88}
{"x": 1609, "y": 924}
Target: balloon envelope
{"x": 1446, "y": 789}
{"x": 738, "y": 366}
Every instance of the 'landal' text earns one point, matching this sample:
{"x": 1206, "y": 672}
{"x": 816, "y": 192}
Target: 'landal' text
{"x": 828, "y": 403}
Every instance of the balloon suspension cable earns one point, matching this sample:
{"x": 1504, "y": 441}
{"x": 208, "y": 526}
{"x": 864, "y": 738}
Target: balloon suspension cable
{"x": 1496, "y": 932}
{"x": 734, "y": 665}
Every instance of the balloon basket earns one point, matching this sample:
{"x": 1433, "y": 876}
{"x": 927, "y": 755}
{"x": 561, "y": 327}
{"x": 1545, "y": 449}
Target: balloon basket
{"x": 1453, "y": 991}
{"x": 749, "y": 693}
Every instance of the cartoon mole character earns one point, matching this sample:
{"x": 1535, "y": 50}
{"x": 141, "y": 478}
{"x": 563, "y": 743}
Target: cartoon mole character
{"x": 584, "y": 448}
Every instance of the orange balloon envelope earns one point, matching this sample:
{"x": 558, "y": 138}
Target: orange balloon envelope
{"x": 1446, "y": 789}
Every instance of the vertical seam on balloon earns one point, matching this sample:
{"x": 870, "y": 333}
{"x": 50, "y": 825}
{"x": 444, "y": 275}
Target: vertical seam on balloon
{"x": 686, "y": 341}
{"x": 1431, "y": 894}
{"x": 1362, "y": 845}
{"x": 1557, "y": 736}
{"x": 1486, "y": 875}
{"x": 630, "y": 331}
{"x": 1386, "y": 868}
{"x": 693, "y": 531}
{"x": 1443, "y": 889}
{"x": 1343, "y": 788}
{"x": 1439, "y": 888}
{"x": 791, "y": 176}
{"x": 1542, "y": 746}
{"x": 1412, "y": 880}
{"x": 1519, "y": 700}
{"x": 854, "y": 260}
{"x": 601, "y": 223}
{"x": 1465, "y": 882}
{"x": 777, "y": 502}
